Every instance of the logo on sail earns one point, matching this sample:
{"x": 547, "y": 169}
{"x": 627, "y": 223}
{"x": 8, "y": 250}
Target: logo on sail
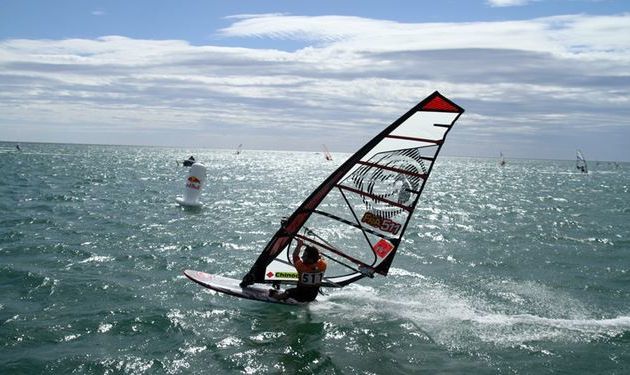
{"x": 396, "y": 180}
{"x": 382, "y": 248}
{"x": 386, "y": 225}
{"x": 282, "y": 275}
{"x": 193, "y": 183}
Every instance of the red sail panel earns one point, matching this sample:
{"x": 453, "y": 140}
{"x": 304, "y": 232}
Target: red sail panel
{"x": 440, "y": 103}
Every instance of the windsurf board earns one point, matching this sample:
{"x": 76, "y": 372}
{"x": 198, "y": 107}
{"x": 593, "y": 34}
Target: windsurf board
{"x": 231, "y": 286}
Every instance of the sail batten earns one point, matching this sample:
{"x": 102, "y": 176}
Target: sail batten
{"x": 331, "y": 249}
{"x": 361, "y": 211}
{"x": 375, "y": 165}
{"x": 348, "y": 222}
{"x": 436, "y": 141}
{"x": 373, "y": 196}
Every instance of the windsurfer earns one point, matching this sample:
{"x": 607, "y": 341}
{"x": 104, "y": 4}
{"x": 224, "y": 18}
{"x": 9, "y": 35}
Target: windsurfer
{"x": 311, "y": 268}
{"x": 190, "y": 161}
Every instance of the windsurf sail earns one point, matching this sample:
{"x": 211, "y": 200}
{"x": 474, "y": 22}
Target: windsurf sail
{"x": 580, "y": 163}
{"x": 327, "y": 154}
{"x": 358, "y": 215}
{"x": 501, "y": 159}
{"x": 238, "y": 149}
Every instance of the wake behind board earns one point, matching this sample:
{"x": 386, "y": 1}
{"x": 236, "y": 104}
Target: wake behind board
{"x": 230, "y": 286}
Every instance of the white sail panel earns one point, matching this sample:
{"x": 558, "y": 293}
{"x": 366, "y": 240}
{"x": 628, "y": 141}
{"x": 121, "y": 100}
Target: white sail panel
{"x": 422, "y": 124}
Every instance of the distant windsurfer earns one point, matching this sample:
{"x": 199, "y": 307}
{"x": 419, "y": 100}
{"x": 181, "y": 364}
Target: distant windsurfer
{"x": 190, "y": 161}
{"x": 580, "y": 164}
{"x": 17, "y": 147}
{"x": 311, "y": 268}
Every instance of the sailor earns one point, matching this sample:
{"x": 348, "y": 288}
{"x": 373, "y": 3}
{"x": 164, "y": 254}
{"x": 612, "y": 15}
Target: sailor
{"x": 311, "y": 268}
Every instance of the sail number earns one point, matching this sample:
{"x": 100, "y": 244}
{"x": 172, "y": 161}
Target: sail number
{"x": 312, "y": 278}
{"x": 383, "y": 224}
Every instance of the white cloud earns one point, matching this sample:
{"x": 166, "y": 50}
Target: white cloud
{"x": 254, "y": 15}
{"x": 561, "y": 35}
{"x": 352, "y": 76}
{"x": 507, "y": 3}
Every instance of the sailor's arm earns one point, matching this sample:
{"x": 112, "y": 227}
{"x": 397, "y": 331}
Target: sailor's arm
{"x": 296, "y": 251}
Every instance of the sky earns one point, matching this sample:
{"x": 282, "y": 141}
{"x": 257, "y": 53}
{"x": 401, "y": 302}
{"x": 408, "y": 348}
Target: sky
{"x": 537, "y": 78}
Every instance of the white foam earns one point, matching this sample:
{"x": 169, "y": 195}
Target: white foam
{"x": 612, "y": 326}
{"x": 465, "y": 321}
{"x": 71, "y": 337}
{"x": 229, "y": 341}
{"x": 104, "y": 327}
{"x": 12, "y": 319}
{"x": 97, "y": 259}
{"x": 193, "y": 349}
{"x": 401, "y": 272}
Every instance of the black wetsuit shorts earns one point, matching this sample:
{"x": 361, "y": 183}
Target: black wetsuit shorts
{"x": 302, "y": 294}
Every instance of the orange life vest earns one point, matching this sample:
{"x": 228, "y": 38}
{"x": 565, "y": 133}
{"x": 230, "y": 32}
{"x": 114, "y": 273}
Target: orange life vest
{"x": 310, "y": 275}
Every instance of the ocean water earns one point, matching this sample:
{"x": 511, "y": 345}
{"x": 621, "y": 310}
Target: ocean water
{"x": 517, "y": 270}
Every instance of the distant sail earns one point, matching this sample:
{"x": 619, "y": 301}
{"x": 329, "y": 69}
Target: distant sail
{"x": 358, "y": 215}
{"x": 327, "y": 154}
{"x": 501, "y": 159}
{"x": 238, "y": 149}
{"x": 580, "y": 163}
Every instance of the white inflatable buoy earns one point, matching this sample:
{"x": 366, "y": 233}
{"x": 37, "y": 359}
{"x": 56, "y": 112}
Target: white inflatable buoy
{"x": 194, "y": 183}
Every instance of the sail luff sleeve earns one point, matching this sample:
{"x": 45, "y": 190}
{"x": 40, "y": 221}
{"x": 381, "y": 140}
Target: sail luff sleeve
{"x": 282, "y": 238}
